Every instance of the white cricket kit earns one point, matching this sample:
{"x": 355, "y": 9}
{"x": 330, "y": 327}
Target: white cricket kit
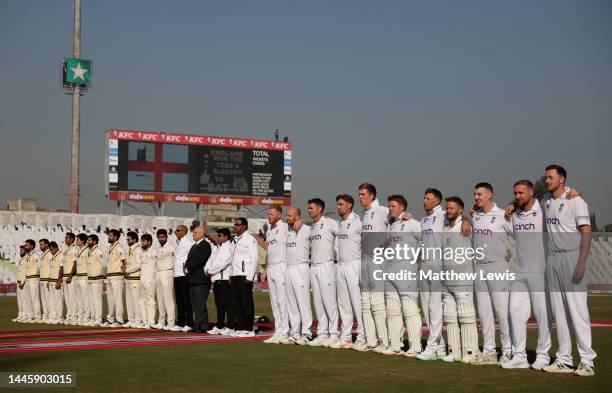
{"x": 115, "y": 283}
{"x": 563, "y": 217}
{"x": 55, "y": 299}
{"x": 164, "y": 288}
{"x": 70, "y": 289}
{"x": 45, "y": 260}
{"x": 298, "y": 282}
{"x": 347, "y": 276}
{"x": 84, "y": 309}
{"x": 431, "y": 290}
{"x": 276, "y": 239}
{"x": 529, "y": 289}
{"x": 459, "y": 313}
{"x": 146, "y": 288}
{"x": 96, "y": 273}
{"x": 401, "y": 295}
{"x": 132, "y": 281}
{"x": 375, "y": 219}
{"x": 23, "y": 299}
{"x": 491, "y": 233}
{"x": 323, "y": 275}
{"x": 33, "y": 284}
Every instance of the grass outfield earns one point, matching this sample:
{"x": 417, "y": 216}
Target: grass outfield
{"x": 254, "y": 366}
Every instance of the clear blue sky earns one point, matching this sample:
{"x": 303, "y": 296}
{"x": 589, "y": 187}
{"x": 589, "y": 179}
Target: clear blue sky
{"x": 399, "y": 93}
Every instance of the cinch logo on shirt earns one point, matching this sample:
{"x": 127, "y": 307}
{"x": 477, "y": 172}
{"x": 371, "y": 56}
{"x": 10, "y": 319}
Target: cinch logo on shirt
{"x": 291, "y": 244}
{"x": 553, "y": 221}
{"x": 343, "y": 236}
{"x": 271, "y": 242}
{"x": 482, "y": 232}
{"x": 427, "y": 231}
{"x": 396, "y": 239}
{"x": 367, "y": 227}
{"x": 316, "y": 237}
{"x": 525, "y": 227}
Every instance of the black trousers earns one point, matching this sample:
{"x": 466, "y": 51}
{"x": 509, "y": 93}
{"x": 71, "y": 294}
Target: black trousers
{"x": 183, "y": 302}
{"x": 242, "y": 302}
{"x": 199, "y": 296}
{"x": 223, "y": 303}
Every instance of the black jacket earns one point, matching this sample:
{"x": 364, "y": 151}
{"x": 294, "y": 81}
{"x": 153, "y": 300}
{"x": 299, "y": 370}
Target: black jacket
{"x": 196, "y": 259}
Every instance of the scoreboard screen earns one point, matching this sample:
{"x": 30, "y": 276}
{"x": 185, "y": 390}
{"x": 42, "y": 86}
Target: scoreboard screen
{"x": 148, "y": 166}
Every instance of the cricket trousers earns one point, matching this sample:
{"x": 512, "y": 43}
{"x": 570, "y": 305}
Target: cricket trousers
{"x": 44, "y": 298}
{"x": 95, "y": 298}
{"x": 56, "y": 303}
{"x": 69, "y": 291}
{"x": 146, "y": 301}
{"x": 323, "y": 281}
{"x": 33, "y": 287}
{"x": 23, "y": 303}
{"x": 493, "y": 300}
{"x": 569, "y": 307}
{"x": 132, "y": 301}
{"x": 164, "y": 292}
{"x": 114, "y": 298}
{"x": 431, "y": 301}
{"x": 298, "y": 300}
{"x": 277, "y": 284}
{"x": 527, "y": 292}
{"x": 83, "y": 300}
{"x": 349, "y": 299}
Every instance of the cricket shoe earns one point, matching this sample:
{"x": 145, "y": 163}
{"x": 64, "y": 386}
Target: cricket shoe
{"x": 174, "y": 328}
{"x": 515, "y": 362}
{"x": 304, "y": 340}
{"x": 504, "y": 358}
{"x": 539, "y": 364}
{"x": 159, "y": 326}
{"x": 15, "y": 319}
{"x": 115, "y": 324}
{"x": 469, "y": 358}
{"x": 320, "y": 341}
{"x": 584, "y": 370}
{"x": 128, "y": 324}
{"x": 360, "y": 346}
{"x": 215, "y": 330}
{"x": 105, "y": 324}
{"x": 226, "y": 331}
{"x": 485, "y": 359}
{"x": 412, "y": 352}
{"x": 342, "y": 344}
{"x": 451, "y": 357}
{"x": 138, "y": 325}
{"x": 390, "y": 351}
{"x": 286, "y": 340}
{"x": 558, "y": 367}
{"x": 275, "y": 339}
{"x": 332, "y": 340}
{"x": 245, "y": 333}
{"x": 427, "y": 355}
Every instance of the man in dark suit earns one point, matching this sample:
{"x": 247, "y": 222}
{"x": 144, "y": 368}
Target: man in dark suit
{"x": 199, "y": 282}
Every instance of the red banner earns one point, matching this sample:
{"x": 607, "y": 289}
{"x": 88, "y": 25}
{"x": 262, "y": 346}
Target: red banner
{"x": 185, "y": 139}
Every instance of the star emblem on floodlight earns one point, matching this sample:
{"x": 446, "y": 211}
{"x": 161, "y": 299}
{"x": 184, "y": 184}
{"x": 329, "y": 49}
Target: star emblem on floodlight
{"x": 79, "y": 72}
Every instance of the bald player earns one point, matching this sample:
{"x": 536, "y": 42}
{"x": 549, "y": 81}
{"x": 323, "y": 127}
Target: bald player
{"x": 275, "y": 272}
{"x": 115, "y": 283}
{"x": 568, "y": 230}
{"x": 323, "y": 232}
{"x": 69, "y": 287}
{"x": 45, "y": 259}
{"x": 528, "y": 291}
{"x": 298, "y": 279}
{"x": 96, "y": 273}
{"x": 82, "y": 293}
{"x": 401, "y": 295}
{"x": 33, "y": 281}
{"x": 459, "y": 313}
{"x": 348, "y": 274}
{"x": 491, "y": 233}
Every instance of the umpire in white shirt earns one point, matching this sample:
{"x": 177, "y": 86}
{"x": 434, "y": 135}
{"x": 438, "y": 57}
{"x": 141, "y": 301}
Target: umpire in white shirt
{"x": 244, "y": 265}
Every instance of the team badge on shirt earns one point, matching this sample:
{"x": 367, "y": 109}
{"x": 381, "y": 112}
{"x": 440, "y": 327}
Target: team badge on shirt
{"x": 493, "y": 220}
{"x": 561, "y": 207}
